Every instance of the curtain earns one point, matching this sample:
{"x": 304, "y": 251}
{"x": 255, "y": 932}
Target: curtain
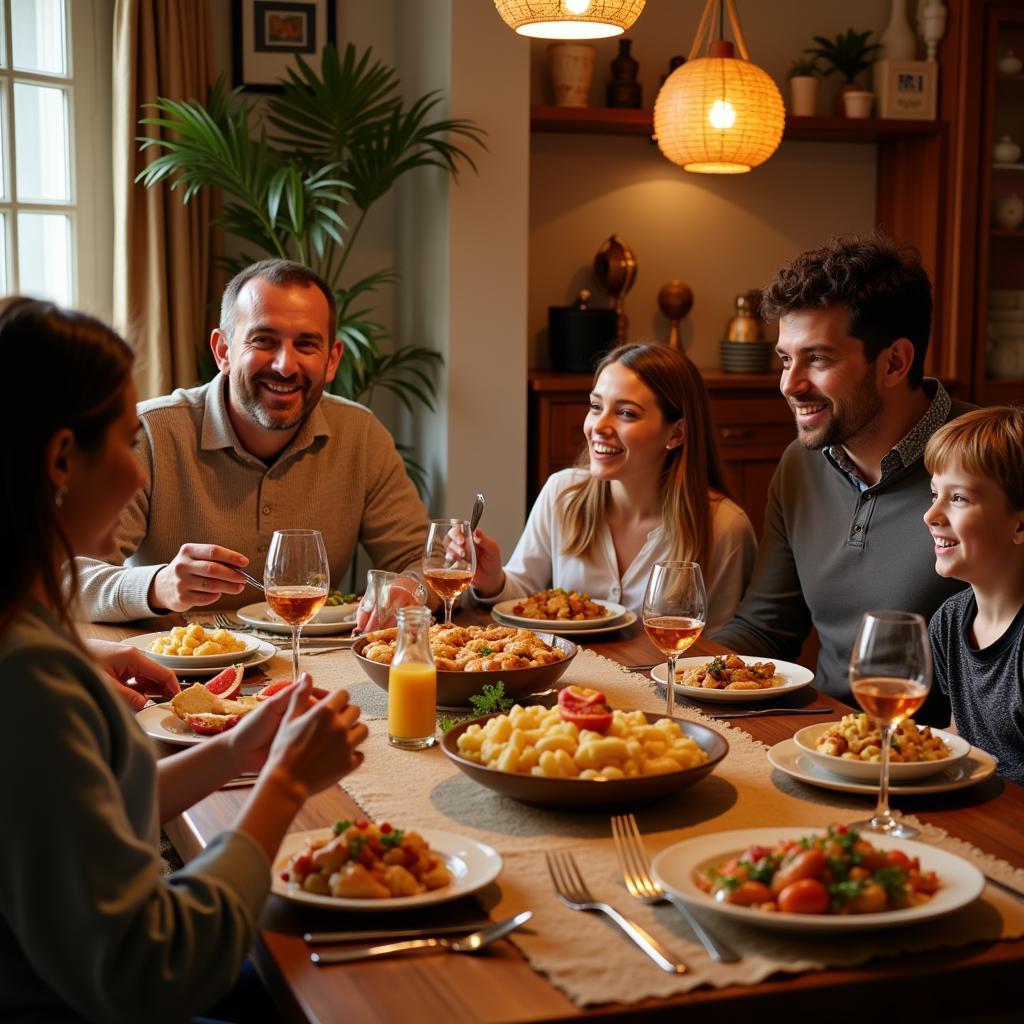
{"x": 164, "y": 267}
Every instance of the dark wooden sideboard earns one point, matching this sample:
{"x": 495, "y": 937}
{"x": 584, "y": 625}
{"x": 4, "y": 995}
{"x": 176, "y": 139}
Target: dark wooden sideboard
{"x": 752, "y": 421}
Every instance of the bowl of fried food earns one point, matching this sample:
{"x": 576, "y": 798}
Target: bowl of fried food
{"x": 581, "y": 754}
{"x": 469, "y": 657}
{"x": 852, "y": 748}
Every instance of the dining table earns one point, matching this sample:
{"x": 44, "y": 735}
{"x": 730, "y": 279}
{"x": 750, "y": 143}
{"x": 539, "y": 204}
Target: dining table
{"x": 977, "y": 980}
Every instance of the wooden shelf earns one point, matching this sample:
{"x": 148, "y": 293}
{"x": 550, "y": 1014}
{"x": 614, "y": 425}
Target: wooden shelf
{"x": 608, "y": 121}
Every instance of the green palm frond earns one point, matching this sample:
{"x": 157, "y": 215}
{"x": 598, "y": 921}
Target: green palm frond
{"x": 847, "y": 53}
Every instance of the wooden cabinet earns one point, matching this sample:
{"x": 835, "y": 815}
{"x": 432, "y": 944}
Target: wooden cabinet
{"x": 753, "y": 425}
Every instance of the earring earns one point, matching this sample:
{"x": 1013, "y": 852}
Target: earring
{"x": 58, "y": 497}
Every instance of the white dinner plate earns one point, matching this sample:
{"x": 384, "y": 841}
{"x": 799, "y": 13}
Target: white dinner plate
{"x": 194, "y": 662}
{"x": 260, "y": 652}
{"x": 259, "y": 615}
{"x": 677, "y": 868}
{"x": 627, "y": 619}
{"x": 797, "y": 677}
{"x": 472, "y": 865}
{"x": 160, "y": 722}
{"x": 869, "y": 771}
{"x": 977, "y": 766}
{"x": 504, "y": 609}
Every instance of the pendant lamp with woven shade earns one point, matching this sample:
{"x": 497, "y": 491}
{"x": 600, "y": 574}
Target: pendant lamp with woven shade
{"x": 569, "y": 19}
{"x": 719, "y": 114}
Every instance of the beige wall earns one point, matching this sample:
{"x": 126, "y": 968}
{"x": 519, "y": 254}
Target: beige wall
{"x": 720, "y": 234}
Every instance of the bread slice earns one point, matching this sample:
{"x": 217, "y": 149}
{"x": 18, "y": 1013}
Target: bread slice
{"x": 197, "y": 700}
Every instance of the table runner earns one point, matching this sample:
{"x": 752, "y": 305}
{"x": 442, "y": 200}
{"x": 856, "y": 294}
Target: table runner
{"x": 424, "y": 790}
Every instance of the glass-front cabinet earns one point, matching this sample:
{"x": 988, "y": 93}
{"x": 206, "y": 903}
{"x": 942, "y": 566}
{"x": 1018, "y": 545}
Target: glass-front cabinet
{"x": 999, "y": 356}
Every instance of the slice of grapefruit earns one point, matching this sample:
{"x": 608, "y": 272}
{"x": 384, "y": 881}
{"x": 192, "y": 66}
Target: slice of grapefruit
{"x": 227, "y": 684}
{"x": 210, "y": 725}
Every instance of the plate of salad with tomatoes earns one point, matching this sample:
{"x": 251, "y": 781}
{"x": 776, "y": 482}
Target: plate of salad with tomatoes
{"x": 833, "y": 879}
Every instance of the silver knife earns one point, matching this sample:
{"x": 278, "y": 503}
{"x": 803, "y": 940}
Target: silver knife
{"x": 766, "y": 711}
{"x": 469, "y": 944}
{"x": 318, "y": 938}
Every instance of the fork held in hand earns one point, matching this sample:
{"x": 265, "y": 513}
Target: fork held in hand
{"x": 573, "y": 892}
{"x": 641, "y": 885}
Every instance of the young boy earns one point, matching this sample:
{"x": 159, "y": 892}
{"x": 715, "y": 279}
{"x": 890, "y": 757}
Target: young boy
{"x": 977, "y": 521}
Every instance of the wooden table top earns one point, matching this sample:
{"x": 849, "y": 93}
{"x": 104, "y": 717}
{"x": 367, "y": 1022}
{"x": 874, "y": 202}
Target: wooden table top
{"x": 501, "y": 986}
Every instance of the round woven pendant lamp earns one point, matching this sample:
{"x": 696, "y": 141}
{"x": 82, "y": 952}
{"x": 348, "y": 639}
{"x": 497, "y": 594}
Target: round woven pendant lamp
{"x": 569, "y": 19}
{"x": 719, "y": 114}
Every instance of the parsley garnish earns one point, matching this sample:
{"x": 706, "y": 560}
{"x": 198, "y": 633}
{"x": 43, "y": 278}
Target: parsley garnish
{"x": 356, "y": 843}
{"x": 491, "y": 699}
{"x": 341, "y": 826}
{"x": 845, "y": 892}
{"x": 389, "y": 840}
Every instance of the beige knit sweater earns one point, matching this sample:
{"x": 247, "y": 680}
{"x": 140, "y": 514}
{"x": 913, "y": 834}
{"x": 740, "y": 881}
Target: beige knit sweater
{"x": 341, "y": 475}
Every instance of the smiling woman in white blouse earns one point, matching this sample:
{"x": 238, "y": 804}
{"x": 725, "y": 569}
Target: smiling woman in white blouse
{"x": 649, "y": 486}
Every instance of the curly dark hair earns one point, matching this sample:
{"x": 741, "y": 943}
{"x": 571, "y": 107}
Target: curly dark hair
{"x": 882, "y": 284}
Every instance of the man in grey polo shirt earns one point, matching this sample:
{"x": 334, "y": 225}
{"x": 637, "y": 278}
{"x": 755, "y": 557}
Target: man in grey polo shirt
{"x": 258, "y": 449}
{"x": 842, "y": 531}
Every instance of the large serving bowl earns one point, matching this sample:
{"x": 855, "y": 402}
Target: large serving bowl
{"x": 455, "y": 688}
{"x": 869, "y": 771}
{"x": 584, "y": 794}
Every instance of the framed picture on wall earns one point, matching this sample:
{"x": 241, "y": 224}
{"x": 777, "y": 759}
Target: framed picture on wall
{"x": 267, "y": 34}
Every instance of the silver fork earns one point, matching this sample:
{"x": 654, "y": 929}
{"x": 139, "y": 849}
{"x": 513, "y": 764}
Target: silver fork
{"x": 222, "y": 621}
{"x": 573, "y": 892}
{"x": 636, "y": 873}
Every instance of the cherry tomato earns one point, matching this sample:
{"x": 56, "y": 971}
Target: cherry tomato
{"x": 302, "y": 865}
{"x": 870, "y": 858}
{"x": 804, "y": 896}
{"x": 897, "y": 859}
{"x": 385, "y": 829}
{"x": 924, "y": 881}
{"x": 595, "y": 717}
{"x": 579, "y": 696}
{"x": 749, "y": 893}
{"x": 805, "y": 864}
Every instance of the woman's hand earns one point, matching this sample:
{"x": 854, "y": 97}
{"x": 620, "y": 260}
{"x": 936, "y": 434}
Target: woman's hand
{"x": 316, "y": 742}
{"x": 252, "y": 738}
{"x": 136, "y": 678}
{"x": 490, "y": 576}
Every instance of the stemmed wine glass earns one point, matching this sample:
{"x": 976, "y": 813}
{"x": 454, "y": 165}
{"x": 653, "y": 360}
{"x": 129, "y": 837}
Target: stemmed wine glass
{"x": 675, "y": 611}
{"x": 890, "y": 675}
{"x": 296, "y": 580}
{"x": 446, "y": 573}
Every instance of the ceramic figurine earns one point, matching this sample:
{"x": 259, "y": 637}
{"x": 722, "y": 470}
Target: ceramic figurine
{"x": 1010, "y": 63}
{"x": 931, "y": 21}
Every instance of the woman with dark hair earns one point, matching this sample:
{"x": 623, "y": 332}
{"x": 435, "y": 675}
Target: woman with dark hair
{"x": 649, "y": 486}
{"x": 89, "y": 927}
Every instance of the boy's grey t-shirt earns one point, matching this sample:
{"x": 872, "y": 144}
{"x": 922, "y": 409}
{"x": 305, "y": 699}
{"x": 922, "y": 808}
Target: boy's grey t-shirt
{"x": 986, "y": 687}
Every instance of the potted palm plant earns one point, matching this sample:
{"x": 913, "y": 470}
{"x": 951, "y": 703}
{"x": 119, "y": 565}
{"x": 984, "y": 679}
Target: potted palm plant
{"x": 298, "y": 177}
{"x": 848, "y": 54}
{"x": 804, "y": 84}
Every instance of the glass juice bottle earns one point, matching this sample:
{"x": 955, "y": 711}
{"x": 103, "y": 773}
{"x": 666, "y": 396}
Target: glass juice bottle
{"x": 412, "y": 684}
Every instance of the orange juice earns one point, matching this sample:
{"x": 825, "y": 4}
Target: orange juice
{"x": 412, "y": 704}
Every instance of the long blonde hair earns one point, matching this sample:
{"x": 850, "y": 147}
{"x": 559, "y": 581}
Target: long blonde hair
{"x": 689, "y": 474}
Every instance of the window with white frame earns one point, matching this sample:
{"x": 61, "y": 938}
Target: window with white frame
{"x": 37, "y": 195}
{"x": 56, "y": 217}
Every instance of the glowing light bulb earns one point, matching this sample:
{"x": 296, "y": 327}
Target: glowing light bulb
{"x": 577, "y": 6}
{"x": 722, "y": 114}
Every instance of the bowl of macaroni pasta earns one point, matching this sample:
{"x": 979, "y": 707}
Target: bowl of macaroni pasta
{"x": 852, "y": 749}
{"x": 533, "y": 755}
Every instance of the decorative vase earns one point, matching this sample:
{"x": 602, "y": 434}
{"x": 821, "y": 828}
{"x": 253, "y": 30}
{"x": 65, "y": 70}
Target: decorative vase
{"x": 898, "y": 40}
{"x": 803, "y": 93}
{"x": 624, "y": 91}
{"x": 857, "y": 103}
{"x": 931, "y": 20}
{"x": 1008, "y": 212}
{"x": 1010, "y": 63}
{"x": 1006, "y": 151}
{"x": 572, "y": 68}
{"x": 840, "y": 106}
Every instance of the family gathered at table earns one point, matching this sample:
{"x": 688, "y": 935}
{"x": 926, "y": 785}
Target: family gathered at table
{"x": 893, "y": 496}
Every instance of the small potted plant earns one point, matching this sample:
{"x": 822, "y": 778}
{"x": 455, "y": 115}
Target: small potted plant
{"x": 848, "y": 54}
{"x": 804, "y": 83}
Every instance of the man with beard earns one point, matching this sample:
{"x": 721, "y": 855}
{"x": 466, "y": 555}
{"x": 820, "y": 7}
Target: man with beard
{"x": 260, "y": 448}
{"x": 842, "y": 527}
